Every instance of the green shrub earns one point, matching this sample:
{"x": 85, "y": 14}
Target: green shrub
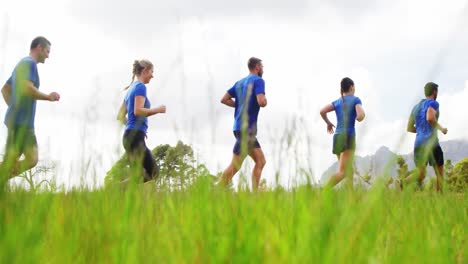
{"x": 457, "y": 180}
{"x": 177, "y": 167}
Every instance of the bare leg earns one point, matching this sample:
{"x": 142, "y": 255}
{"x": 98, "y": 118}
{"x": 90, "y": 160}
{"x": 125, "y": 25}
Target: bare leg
{"x": 330, "y": 184}
{"x": 417, "y": 176}
{"x": 232, "y": 169}
{"x": 439, "y": 171}
{"x": 31, "y": 157}
{"x": 259, "y": 158}
{"x": 345, "y": 168}
{"x": 10, "y": 164}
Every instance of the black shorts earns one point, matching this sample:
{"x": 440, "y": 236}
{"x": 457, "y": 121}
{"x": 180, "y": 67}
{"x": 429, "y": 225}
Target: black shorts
{"x": 20, "y": 139}
{"x": 136, "y": 149}
{"x": 252, "y": 142}
{"x": 342, "y": 142}
{"x": 428, "y": 153}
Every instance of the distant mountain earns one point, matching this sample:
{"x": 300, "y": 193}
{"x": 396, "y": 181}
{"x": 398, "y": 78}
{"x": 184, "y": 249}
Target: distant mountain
{"x": 383, "y": 162}
{"x": 455, "y": 150}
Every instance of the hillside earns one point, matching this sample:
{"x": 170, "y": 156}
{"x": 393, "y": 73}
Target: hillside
{"x": 383, "y": 162}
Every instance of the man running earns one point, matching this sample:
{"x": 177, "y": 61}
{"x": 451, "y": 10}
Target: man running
{"x": 21, "y": 92}
{"x": 246, "y": 96}
{"x": 423, "y": 122}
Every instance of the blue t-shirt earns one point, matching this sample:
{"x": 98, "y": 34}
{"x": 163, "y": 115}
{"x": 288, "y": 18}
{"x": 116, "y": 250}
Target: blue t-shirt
{"x": 22, "y": 108}
{"x": 245, "y": 93}
{"x": 347, "y": 118}
{"x": 134, "y": 122}
{"x": 424, "y": 131}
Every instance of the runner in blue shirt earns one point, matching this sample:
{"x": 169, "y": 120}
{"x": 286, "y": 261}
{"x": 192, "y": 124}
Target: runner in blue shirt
{"x": 21, "y": 92}
{"x": 246, "y": 97}
{"x": 423, "y": 122}
{"x": 134, "y": 113}
{"x": 348, "y": 108}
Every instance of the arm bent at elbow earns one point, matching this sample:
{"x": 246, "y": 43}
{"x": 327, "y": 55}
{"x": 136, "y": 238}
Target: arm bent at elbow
{"x": 32, "y": 91}
{"x": 227, "y": 99}
{"x": 140, "y": 110}
{"x": 323, "y": 113}
{"x": 145, "y": 112}
{"x": 360, "y": 114}
{"x": 6, "y": 93}
{"x": 261, "y": 100}
{"x": 431, "y": 117}
{"x": 410, "y": 125}
{"x": 326, "y": 109}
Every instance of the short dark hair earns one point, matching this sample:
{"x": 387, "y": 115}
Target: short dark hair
{"x": 429, "y": 88}
{"x": 253, "y": 63}
{"x": 40, "y": 41}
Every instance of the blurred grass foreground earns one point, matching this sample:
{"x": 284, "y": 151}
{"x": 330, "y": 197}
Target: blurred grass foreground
{"x": 195, "y": 221}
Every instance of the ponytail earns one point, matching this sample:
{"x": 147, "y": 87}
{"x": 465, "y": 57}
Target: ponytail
{"x": 342, "y": 98}
{"x": 138, "y": 67}
{"x": 133, "y": 79}
{"x": 346, "y": 84}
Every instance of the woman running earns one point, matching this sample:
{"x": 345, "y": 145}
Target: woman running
{"x": 348, "y": 108}
{"x": 138, "y": 108}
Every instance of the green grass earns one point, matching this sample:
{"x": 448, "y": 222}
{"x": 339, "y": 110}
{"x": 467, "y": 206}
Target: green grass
{"x": 211, "y": 225}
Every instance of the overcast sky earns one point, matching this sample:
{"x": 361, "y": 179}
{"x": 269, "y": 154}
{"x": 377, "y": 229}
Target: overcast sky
{"x": 199, "y": 49}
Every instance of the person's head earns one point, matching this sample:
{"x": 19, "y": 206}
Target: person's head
{"x": 255, "y": 66}
{"x": 347, "y": 86}
{"x": 143, "y": 70}
{"x": 40, "y": 49}
{"x": 431, "y": 90}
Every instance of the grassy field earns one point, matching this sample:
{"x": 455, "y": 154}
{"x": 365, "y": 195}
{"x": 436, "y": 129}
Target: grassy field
{"x": 210, "y": 225}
